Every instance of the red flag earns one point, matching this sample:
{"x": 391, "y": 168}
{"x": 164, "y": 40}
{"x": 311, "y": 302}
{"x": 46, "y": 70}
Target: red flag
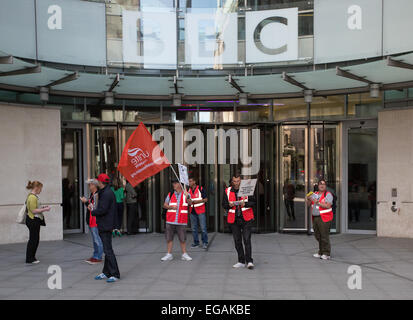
{"x": 141, "y": 158}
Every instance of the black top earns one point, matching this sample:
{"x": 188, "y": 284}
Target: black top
{"x": 249, "y": 204}
{"x": 105, "y": 213}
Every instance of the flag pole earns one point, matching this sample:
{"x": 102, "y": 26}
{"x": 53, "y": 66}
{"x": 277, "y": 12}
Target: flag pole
{"x": 172, "y": 166}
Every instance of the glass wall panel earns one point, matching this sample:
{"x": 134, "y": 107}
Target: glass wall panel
{"x": 105, "y": 151}
{"x": 362, "y": 177}
{"x": 395, "y": 94}
{"x": 327, "y": 107}
{"x": 72, "y": 178}
{"x": 145, "y": 111}
{"x": 290, "y": 109}
{"x": 73, "y": 112}
{"x": 325, "y": 162}
{"x": 293, "y": 177}
{"x": 363, "y": 106}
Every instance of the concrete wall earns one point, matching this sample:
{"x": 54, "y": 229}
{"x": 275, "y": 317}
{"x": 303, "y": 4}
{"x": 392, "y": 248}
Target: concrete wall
{"x": 30, "y": 149}
{"x": 395, "y": 170}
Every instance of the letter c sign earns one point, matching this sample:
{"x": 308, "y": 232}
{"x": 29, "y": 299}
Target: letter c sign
{"x": 271, "y": 44}
{"x": 257, "y": 35}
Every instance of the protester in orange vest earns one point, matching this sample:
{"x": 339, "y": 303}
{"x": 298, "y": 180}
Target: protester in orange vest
{"x": 321, "y": 203}
{"x": 198, "y": 212}
{"x": 240, "y": 218}
{"x": 176, "y": 205}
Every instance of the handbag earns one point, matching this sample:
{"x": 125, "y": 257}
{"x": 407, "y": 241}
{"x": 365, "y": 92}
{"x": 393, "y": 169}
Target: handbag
{"x": 21, "y": 216}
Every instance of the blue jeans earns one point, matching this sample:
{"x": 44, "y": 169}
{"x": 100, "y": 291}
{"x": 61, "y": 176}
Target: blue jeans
{"x": 97, "y": 243}
{"x": 201, "y": 219}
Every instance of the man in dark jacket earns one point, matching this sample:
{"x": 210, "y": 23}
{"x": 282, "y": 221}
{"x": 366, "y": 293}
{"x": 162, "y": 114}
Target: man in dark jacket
{"x": 105, "y": 215}
{"x": 240, "y": 218}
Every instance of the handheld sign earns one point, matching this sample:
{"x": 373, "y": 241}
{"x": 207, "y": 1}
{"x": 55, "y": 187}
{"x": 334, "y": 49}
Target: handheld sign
{"x": 183, "y": 174}
{"x": 247, "y": 188}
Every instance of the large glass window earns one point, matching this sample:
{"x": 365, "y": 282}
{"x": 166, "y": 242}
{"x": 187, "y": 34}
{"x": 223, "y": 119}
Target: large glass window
{"x": 290, "y": 109}
{"x": 105, "y": 151}
{"x": 293, "y": 178}
{"x": 327, "y": 107}
{"x": 363, "y": 106}
{"x": 362, "y": 177}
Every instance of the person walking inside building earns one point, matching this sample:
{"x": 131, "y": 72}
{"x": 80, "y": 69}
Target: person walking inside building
{"x": 119, "y": 192}
{"x": 289, "y": 195}
{"x": 197, "y": 211}
{"x": 34, "y": 219}
{"x": 131, "y": 209}
{"x": 176, "y": 206}
{"x": 105, "y": 214}
{"x": 240, "y": 218}
{"x": 91, "y": 222}
{"x": 321, "y": 203}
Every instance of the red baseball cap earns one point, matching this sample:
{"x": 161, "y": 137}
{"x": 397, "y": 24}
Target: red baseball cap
{"x": 103, "y": 177}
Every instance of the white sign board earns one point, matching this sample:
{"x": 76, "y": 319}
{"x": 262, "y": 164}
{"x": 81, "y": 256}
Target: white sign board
{"x": 211, "y": 39}
{"x": 149, "y": 38}
{"x": 247, "y": 188}
{"x": 183, "y": 174}
{"x": 271, "y": 35}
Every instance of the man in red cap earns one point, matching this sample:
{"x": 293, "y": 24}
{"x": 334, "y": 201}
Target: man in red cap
{"x": 105, "y": 214}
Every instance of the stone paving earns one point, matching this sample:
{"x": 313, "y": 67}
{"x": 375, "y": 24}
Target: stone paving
{"x": 285, "y": 269}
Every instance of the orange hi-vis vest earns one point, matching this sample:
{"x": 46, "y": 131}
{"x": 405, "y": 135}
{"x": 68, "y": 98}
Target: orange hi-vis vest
{"x": 247, "y": 213}
{"x": 196, "y": 195}
{"x": 183, "y": 209}
{"x": 325, "y": 214}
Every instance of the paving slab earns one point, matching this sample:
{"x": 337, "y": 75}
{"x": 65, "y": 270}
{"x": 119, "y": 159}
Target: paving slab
{"x": 285, "y": 269}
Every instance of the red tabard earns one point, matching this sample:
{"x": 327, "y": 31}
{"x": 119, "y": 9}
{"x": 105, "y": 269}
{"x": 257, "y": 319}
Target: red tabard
{"x": 247, "y": 213}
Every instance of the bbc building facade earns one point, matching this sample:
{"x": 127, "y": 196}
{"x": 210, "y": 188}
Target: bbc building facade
{"x": 325, "y": 86}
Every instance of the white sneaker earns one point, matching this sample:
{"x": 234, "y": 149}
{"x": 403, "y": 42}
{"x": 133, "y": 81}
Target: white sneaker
{"x": 325, "y": 257}
{"x": 250, "y": 265}
{"x": 239, "y": 265}
{"x": 167, "y": 257}
{"x": 186, "y": 257}
{"x": 316, "y": 255}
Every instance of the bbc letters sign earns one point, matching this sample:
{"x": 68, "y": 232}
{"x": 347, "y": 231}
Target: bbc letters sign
{"x": 149, "y": 38}
{"x": 347, "y": 30}
{"x": 271, "y": 35}
{"x": 211, "y": 37}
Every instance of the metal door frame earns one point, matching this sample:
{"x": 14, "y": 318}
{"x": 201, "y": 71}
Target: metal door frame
{"x": 308, "y": 136}
{"x": 83, "y": 172}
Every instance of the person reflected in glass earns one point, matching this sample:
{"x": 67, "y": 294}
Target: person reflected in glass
{"x": 289, "y": 195}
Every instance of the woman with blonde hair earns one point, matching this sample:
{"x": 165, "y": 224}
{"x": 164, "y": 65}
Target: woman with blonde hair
{"x": 34, "y": 219}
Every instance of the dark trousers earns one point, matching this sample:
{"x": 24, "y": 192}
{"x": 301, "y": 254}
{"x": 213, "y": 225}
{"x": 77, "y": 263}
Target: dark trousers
{"x": 34, "y": 237}
{"x": 110, "y": 268}
{"x": 241, "y": 231}
{"x": 289, "y": 204}
{"x": 132, "y": 217}
{"x": 322, "y": 234}
{"x": 119, "y": 216}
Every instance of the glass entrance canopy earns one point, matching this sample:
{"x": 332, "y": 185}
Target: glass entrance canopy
{"x": 391, "y": 73}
